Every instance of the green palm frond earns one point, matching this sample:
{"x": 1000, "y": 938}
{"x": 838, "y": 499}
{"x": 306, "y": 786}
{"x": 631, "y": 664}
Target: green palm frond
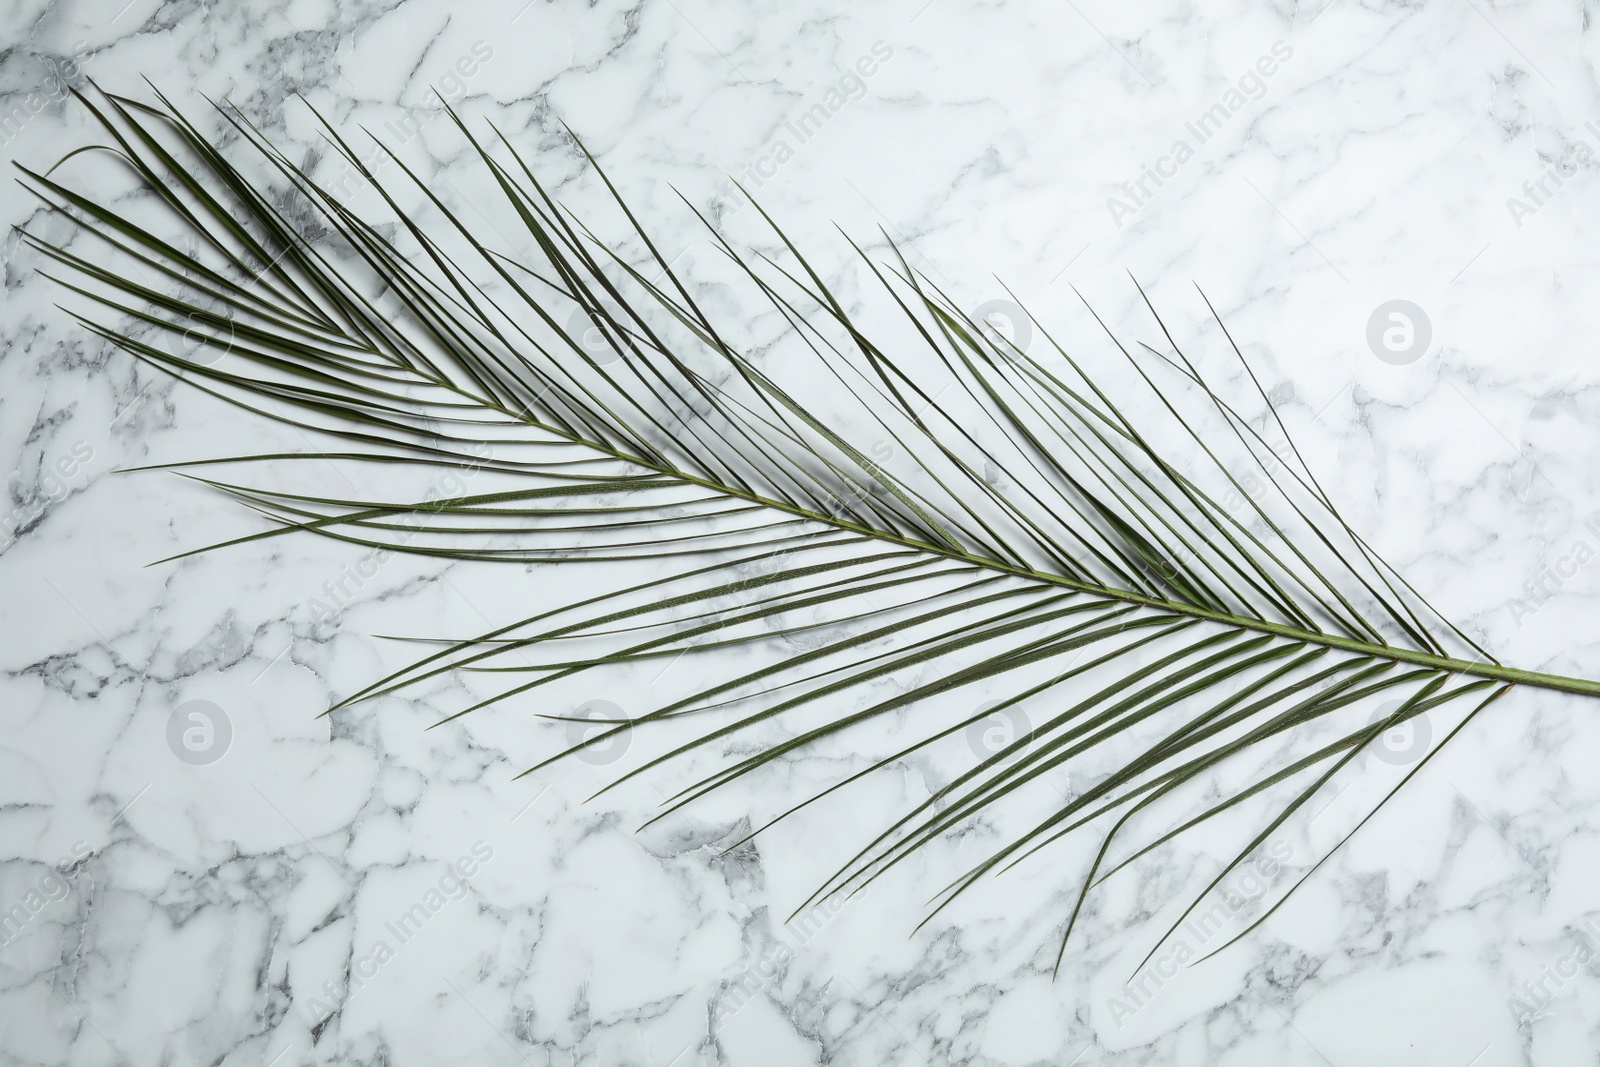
{"x": 965, "y": 512}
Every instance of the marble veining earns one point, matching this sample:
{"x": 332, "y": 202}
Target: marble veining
{"x": 195, "y": 869}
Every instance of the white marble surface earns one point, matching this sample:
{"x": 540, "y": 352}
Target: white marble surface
{"x": 245, "y": 911}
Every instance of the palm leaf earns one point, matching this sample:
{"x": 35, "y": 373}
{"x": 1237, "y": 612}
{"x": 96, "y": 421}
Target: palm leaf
{"x": 1028, "y": 536}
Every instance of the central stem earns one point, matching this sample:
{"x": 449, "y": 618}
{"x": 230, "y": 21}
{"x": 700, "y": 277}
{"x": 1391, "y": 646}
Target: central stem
{"x": 1475, "y": 668}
